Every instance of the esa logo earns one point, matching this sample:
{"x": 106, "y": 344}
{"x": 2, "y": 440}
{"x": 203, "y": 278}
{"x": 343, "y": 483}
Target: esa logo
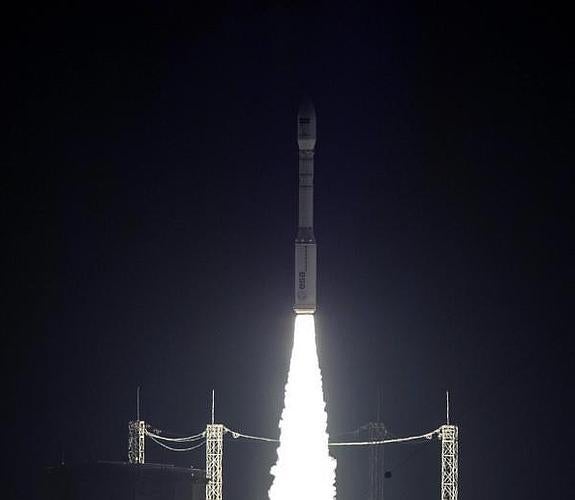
{"x": 301, "y": 280}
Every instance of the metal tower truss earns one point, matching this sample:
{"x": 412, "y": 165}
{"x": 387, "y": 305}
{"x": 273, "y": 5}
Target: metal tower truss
{"x": 376, "y": 431}
{"x": 214, "y": 453}
{"x": 449, "y": 461}
{"x": 136, "y": 441}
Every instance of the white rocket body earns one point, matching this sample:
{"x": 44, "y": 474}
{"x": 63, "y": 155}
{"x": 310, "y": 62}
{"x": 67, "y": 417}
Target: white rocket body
{"x": 305, "y": 247}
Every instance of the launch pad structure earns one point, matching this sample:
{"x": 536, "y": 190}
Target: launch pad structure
{"x": 137, "y": 436}
{"x": 449, "y": 456}
{"x": 214, "y": 456}
{"x": 449, "y": 461}
{"x": 448, "y": 435}
{"x": 136, "y": 442}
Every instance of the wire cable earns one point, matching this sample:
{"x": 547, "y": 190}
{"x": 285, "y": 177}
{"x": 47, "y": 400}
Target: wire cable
{"x": 176, "y": 449}
{"x": 186, "y": 439}
{"x": 428, "y": 436}
{"x": 237, "y": 435}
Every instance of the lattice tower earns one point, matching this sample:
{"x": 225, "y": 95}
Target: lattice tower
{"x": 449, "y": 461}
{"x": 214, "y": 453}
{"x": 376, "y": 431}
{"x": 136, "y": 440}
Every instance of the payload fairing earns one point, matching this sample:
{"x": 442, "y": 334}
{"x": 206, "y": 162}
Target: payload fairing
{"x": 305, "y": 247}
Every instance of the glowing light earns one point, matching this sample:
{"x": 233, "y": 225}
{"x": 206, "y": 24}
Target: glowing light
{"x": 304, "y": 469}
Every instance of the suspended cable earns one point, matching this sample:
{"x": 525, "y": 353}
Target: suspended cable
{"x": 163, "y": 445}
{"x": 236, "y": 435}
{"x": 186, "y": 439}
{"x": 361, "y": 429}
{"x": 428, "y": 436}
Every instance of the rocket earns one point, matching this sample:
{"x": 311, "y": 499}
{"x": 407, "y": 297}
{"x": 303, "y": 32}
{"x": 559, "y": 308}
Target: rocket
{"x": 305, "y": 247}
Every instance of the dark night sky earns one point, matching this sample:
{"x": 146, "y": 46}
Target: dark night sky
{"x": 150, "y": 207}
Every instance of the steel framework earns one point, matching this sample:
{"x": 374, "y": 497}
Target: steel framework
{"x": 136, "y": 440}
{"x": 214, "y": 453}
{"x": 376, "y": 431}
{"x": 449, "y": 461}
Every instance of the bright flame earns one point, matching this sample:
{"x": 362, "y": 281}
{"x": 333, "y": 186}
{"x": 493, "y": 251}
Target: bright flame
{"x": 304, "y": 470}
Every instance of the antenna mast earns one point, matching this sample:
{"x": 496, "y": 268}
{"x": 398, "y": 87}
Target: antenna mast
{"x": 447, "y": 406}
{"x": 138, "y": 403}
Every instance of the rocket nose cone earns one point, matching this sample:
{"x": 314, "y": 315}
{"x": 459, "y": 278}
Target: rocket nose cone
{"x": 306, "y": 108}
{"x": 306, "y": 125}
